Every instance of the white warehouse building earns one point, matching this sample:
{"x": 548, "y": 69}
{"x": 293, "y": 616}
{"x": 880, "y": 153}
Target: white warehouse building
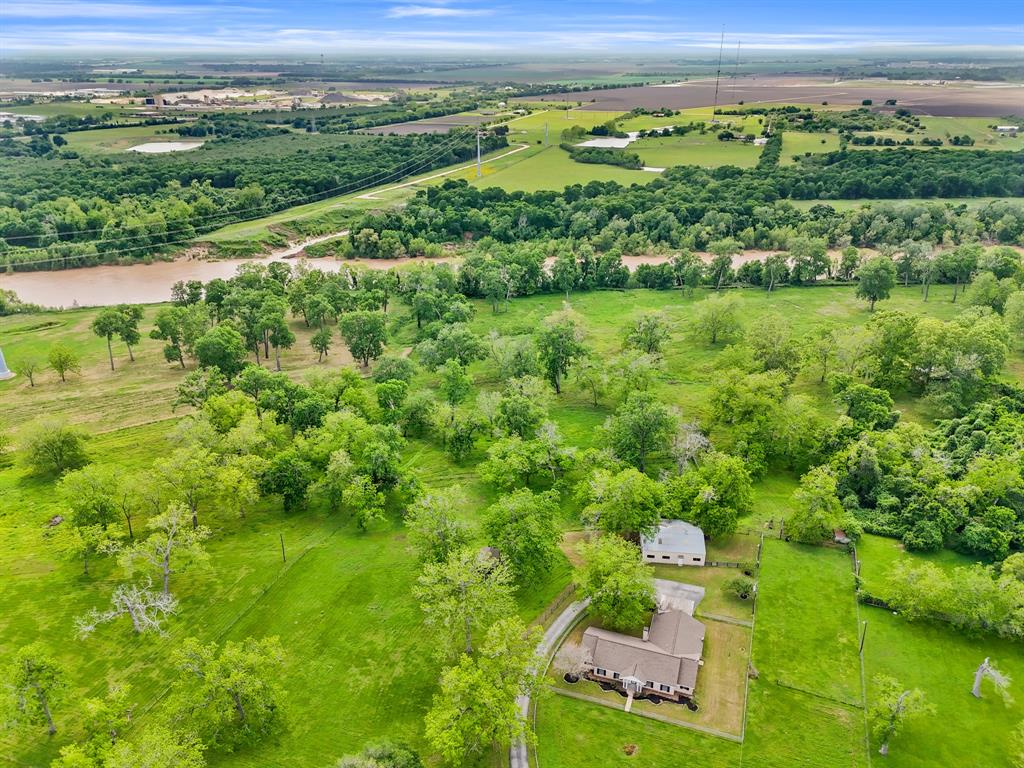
{"x": 674, "y": 543}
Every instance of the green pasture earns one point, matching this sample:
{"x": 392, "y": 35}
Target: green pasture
{"x": 878, "y": 554}
{"x": 806, "y": 632}
{"x": 552, "y": 168}
{"x": 695, "y": 149}
{"x": 103, "y": 140}
{"x": 341, "y": 605}
{"x": 75, "y": 108}
{"x": 798, "y": 143}
{"x": 940, "y": 662}
{"x": 141, "y": 391}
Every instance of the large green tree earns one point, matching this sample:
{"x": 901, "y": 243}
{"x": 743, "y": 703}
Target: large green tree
{"x": 366, "y": 334}
{"x": 713, "y": 495}
{"x": 523, "y": 528}
{"x": 230, "y": 696}
{"x": 34, "y": 682}
{"x": 640, "y": 427}
{"x": 626, "y": 503}
{"x": 462, "y": 596}
{"x": 559, "y": 345}
{"x": 476, "y": 709}
{"x": 875, "y": 280}
{"x": 619, "y": 585}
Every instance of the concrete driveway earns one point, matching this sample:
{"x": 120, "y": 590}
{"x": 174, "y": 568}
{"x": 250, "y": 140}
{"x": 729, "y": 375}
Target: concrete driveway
{"x": 676, "y": 594}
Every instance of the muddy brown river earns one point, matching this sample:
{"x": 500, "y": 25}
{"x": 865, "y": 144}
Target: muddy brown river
{"x": 151, "y": 283}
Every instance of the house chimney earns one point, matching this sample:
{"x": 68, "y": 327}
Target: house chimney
{"x": 647, "y": 633}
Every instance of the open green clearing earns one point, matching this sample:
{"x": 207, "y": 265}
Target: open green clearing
{"x": 76, "y": 108}
{"x": 695, "y": 149}
{"x": 799, "y": 143}
{"x": 120, "y": 139}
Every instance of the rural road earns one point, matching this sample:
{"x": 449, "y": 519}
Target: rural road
{"x": 373, "y": 195}
{"x": 518, "y": 755}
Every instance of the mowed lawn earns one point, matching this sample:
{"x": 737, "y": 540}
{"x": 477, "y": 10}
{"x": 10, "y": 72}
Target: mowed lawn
{"x": 805, "y": 615}
{"x": 941, "y": 662}
{"x": 806, "y": 631}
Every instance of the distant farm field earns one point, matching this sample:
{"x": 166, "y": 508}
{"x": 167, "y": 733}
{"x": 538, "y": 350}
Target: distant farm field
{"x": 949, "y": 99}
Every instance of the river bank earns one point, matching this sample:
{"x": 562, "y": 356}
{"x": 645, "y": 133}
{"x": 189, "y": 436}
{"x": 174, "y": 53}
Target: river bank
{"x": 151, "y": 283}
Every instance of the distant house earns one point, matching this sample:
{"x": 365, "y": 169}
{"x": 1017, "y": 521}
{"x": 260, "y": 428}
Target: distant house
{"x": 760, "y": 141}
{"x": 675, "y": 543}
{"x": 664, "y": 662}
{"x": 839, "y": 536}
{"x": 1007, "y": 128}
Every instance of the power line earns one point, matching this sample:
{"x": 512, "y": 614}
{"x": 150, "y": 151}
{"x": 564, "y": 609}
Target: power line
{"x": 434, "y": 153}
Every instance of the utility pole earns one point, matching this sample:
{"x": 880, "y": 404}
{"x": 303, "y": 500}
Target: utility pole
{"x": 478, "y": 154}
{"x": 545, "y": 134}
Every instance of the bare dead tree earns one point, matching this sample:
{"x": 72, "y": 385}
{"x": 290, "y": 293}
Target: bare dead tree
{"x": 573, "y": 659}
{"x": 1000, "y": 681}
{"x": 146, "y": 607}
{"x": 688, "y": 443}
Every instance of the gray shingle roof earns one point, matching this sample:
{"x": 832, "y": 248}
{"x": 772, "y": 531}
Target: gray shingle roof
{"x": 671, "y": 654}
{"x": 675, "y": 536}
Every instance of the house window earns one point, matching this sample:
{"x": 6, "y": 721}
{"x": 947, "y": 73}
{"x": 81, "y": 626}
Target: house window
{"x": 600, "y": 671}
{"x": 664, "y": 687}
{"x": 615, "y": 675}
{"x": 666, "y": 557}
{"x": 649, "y": 684}
{"x": 650, "y": 557}
{"x": 696, "y": 559}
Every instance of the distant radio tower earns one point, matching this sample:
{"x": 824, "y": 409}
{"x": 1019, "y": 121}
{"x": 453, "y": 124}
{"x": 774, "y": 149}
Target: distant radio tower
{"x": 718, "y": 74}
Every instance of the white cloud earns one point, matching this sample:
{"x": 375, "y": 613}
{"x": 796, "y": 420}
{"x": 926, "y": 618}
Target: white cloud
{"x": 438, "y": 11}
{"x": 60, "y": 9}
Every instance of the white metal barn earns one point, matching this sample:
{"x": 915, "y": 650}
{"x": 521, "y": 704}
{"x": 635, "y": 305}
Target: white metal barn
{"x": 675, "y": 543}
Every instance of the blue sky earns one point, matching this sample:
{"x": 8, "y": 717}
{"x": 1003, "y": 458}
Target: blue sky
{"x": 480, "y": 27}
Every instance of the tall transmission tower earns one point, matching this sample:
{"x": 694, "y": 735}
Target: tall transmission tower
{"x": 478, "y": 134}
{"x": 718, "y": 74}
